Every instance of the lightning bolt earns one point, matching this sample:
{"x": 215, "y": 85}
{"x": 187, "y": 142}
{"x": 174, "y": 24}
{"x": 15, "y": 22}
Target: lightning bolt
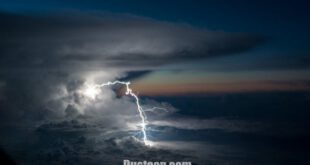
{"x": 140, "y": 110}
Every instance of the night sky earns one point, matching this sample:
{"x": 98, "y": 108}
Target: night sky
{"x": 231, "y": 80}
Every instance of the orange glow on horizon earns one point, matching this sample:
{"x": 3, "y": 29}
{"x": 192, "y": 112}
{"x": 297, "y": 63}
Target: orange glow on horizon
{"x": 177, "y": 89}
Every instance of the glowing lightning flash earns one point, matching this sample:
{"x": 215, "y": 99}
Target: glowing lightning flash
{"x": 91, "y": 92}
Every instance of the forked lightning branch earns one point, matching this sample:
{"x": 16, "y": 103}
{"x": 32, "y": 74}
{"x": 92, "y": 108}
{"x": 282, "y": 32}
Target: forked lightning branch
{"x": 92, "y": 90}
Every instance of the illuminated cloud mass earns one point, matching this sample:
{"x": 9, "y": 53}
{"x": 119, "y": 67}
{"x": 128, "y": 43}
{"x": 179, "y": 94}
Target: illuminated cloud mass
{"x": 54, "y": 59}
{"x": 227, "y": 89}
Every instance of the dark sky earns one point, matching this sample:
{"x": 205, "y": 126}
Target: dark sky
{"x": 231, "y": 79}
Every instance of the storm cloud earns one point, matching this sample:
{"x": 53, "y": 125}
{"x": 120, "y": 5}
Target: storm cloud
{"x": 47, "y": 60}
{"x": 77, "y": 39}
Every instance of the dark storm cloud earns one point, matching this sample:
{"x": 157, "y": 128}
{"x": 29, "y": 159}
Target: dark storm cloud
{"x": 46, "y": 60}
{"x": 76, "y": 39}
